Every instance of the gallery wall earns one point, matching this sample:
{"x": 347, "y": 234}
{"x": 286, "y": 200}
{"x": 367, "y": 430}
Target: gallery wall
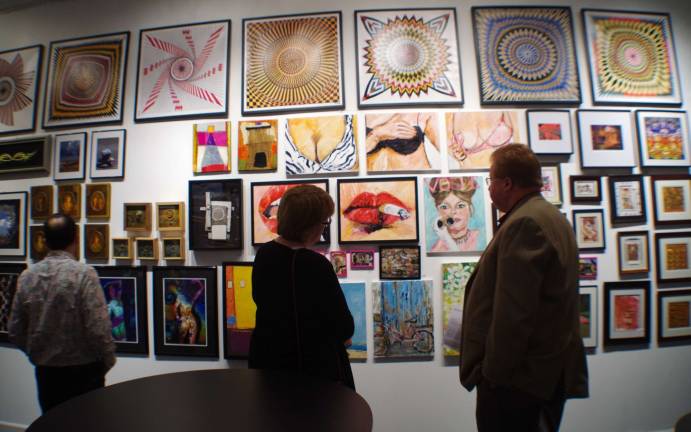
{"x": 643, "y": 389}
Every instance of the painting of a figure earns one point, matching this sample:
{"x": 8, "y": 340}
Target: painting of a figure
{"x": 258, "y": 145}
{"x": 185, "y": 311}
{"x": 454, "y": 279}
{"x": 211, "y": 151}
{"x": 319, "y": 145}
{"x": 472, "y": 136}
{"x": 121, "y": 300}
{"x": 239, "y": 309}
{"x": 355, "y": 298}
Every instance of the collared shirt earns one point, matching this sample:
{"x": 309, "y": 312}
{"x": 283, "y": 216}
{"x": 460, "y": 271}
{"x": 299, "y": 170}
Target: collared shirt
{"x": 59, "y": 315}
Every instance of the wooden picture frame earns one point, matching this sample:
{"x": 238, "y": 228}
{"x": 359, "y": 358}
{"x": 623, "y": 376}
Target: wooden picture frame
{"x": 673, "y": 256}
{"x": 173, "y": 248}
{"x": 400, "y": 262}
{"x": 361, "y": 259}
{"x": 108, "y": 154}
{"x": 605, "y": 138}
{"x": 22, "y": 74}
{"x": 9, "y": 274}
{"x": 41, "y": 201}
{"x": 215, "y": 214}
{"x": 663, "y": 138}
{"x": 122, "y": 248}
{"x": 627, "y": 199}
{"x": 136, "y": 217}
{"x": 96, "y": 242}
{"x": 627, "y": 313}
{"x": 98, "y": 200}
{"x": 585, "y": 189}
{"x": 146, "y": 248}
{"x": 673, "y": 317}
{"x": 26, "y": 155}
{"x": 633, "y": 252}
{"x": 672, "y": 200}
{"x": 70, "y": 200}
{"x": 38, "y": 248}
{"x": 239, "y": 309}
{"x": 590, "y": 229}
{"x": 588, "y": 315}
{"x": 551, "y": 184}
{"x": 69, "y": 162}
{"x": 170, "y": 216}
{"x": 550, "y": 132}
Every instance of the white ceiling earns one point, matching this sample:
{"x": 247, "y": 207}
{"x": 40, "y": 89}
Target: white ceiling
{"x": 7, "y": 6}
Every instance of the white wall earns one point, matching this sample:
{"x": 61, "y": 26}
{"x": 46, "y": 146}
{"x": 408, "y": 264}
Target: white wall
{"x": 641, "y": 390}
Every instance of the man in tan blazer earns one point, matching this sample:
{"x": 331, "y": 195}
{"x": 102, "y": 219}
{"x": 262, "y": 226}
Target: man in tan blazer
{"x": 521, "y": 344}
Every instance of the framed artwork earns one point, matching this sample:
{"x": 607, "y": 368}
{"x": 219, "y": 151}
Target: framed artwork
{"x": 215, "y": 214}
{"x": 381, "y": 211}
{"x": 587, "y": 313}
{"x": 663, "y": 138}
{"x": 354, "y": 293}
{"x": 587, "y": 268}
{"x": 632, "y": 58}
{"x": 472, "y": 136}
{"x": 20, "y": 71}
{"x": 673, "y": 256}
{"x": 70, "y": 156}
{"x": 362, "y": 259}
{"x": 185, "y": 311}
{"x": 98, "y": 200}
{"x": 41, "y": 202}
{"x": 627, "y": 199}
{"x": 454, "y": 279}
{"x": 173, "y": 248}
{"x": 339, "y": 261}
{"x": 455, "y": 214}
{"x": 183, "y": 72}
{"x": 585, "y": 189}
{"x": 292, "y": 62}
{"x": 170, "y": 216}
{"x": 549, "y": 131}
{"x": 627, "y": 313}
{"x": 496, "y": 217}
{"x": 551, "y": 184}
{"x": 124, "y": 288}
{"x": 257, "y": 145}
{"x": 9, "y": 273}
{"x": 26, "y": 155}
{"x": 590, "y": 229}
{"x": 266, "y": 197}
{"x": 86, "y": 78}
{"x": 108, "y": 154}
{"x": 38, "y": 248}
{"x": 78, "y": 242}
{"x": 399, "y": 262}
{"x": 70, "y": 200}
{"x": 403, "y": 319}
{"x": 239, "y": 309}
{"x": 211, "y": 148}
{"x": 122, "y": 248}
{"x": 633, "y": 252}
{"x": 96, "y": 241}
{"x": 407, "y": 57}
{"x": 146, "y": 248}
{"x": 672, "y": 199}
{"x": 13, "y": 224}
{"x": 606, "y": 138}
{"x": 673, "y": 316}
{"x": 137, "y": 217}
{"x": 321, "y": 145}
{"x": 526, "y": 55}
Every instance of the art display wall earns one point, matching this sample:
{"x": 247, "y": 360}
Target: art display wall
{"x": 171, "y": 135}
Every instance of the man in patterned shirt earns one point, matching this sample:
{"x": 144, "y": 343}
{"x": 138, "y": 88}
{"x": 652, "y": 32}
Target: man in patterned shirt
{"x": 59, "y": 319}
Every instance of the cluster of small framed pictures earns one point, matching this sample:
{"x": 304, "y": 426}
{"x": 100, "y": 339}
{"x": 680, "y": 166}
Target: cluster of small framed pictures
{"x": 395, "y": 262}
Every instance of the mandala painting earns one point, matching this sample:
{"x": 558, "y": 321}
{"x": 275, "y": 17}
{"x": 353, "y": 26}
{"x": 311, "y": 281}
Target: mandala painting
{"x": 183, "y": 71}
{"x": 292, "y": 63}
{"x": 633, "y": 60}
{"x": 408, "y": 56}
{"x": 20, "y": 72}
{"x": 86, "y": 80}
{"x": 526, "y": 55}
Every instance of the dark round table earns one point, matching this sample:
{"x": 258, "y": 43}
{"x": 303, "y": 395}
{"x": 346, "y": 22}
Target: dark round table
{"x": 240, "y": 400}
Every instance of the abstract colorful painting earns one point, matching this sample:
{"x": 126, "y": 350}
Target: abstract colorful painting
{"x": 587, "y": 268}
{"x": 9, "y": 273}
{"x": 215, "y": 214}
{"x": 454, "y": 279}
{"x": 183, "y": 71}
{"x": 663, "y": 138}
{"x": 627, "y": 312}
{"x": 257, "y": 145}
{"x": 526, "y": 55}
{"x": 86, "y": 81}
{"x": 239, "y": 309}
{"x": 20, "y": 77}
{"x": 13, "y": 223}
{"x": 407, "y": 56}
{"x": 399, "y": 262}
{"x": 211, "y": 148}
{"x": 403, "y": 319}
{"x": 632, "y": 58}
{"x": 354, "y": 293}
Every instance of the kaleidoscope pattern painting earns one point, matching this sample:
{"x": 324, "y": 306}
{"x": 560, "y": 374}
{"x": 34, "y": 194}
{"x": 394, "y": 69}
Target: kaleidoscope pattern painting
{"x": 526, "y": 55}
{"x": 20, "y": 72}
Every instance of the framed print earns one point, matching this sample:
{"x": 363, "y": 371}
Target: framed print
{"x": 257, "y": 145}
{"x": 627, "y": 199}
{"x": 177, "y": 81}
{"x": 20, "y": 71}
{"x": 587, "y": 313}
{"x": 70, "y": 156}
{"x": 215, "y": 214}
{"x": 173, "y": 248}
{"x": 378, "y": 211}
{"x": 239, "y": 309}
{"x": 673, "y": 316}
{"x": 673, "y": 256}
{"x": 632, "y": 58}
{"x": 70, "y": 200}
{"x": 551, "y": 184}
{"x": 606, "y": 138}
{"x": 291, "y": 63}
{"x": 96, "y": 241}
{"x": 399, "y": 262}
{"x": 38, "y": 248}
{"x": 266, "y": 197}
{"x": 590, "y": 229}
{"x": 98, "y": 200}
{"x": 587, "y": 268}
{"x": 362, "y": 259}
{"x": 13, "y": 224}
{"x": 633, "y": 252}
{"x": 663, "y": 138}
{"x": 354, "y": 293}
{"x": 41, "y": 202}
{"x": 407, "y": 57}
{"x": 146, "y": 248}
{"x": 9, "y": 273}
{"x": 86, "y": 81}
{"x": 78, "y": 242}
{"x": 125, "y": 291}
{"x": 170, "y": 216}
{"x": 454, "y": 280}
{"x": 108, "y": 154}
{"x": 339, "y": 261}
{"x": 122, "y": 248}
{"x": 585, "y": 189}
{"x": 549, "y": 131}
{"x": 211, "y": 148}
{"x": 185, "y": 311}
{"x": 627, "y": 313}
{"x": 526, "y": 55}
{"x": 672, "y": 199}
{"x": 137, "y": 217}
{"x": 26, "y": 155}
{"x": 321, "y": 145}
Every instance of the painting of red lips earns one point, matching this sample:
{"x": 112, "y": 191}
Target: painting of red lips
{"x": 377, "y": 211}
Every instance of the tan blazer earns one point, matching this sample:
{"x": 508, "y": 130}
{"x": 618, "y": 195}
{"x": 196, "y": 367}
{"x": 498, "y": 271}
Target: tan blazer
{"x": 521, "y": 312}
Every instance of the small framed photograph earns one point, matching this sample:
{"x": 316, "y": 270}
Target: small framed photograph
{"x": 108, "y": 154}
{"x": 146, "y": 248}
{"x": 41, "y": 202}
{"x": 627, "y": 313}
{"x": 674, "y": 316}
{"x": 38, "y": 247}
{"x": 399, "y": 262}
{"x": 362, "y": 259}
{"x": 587, "y": 268}
{"x": 590, "y": 229}
{"x": 585, "y": 189}
{"x": 549, "y": 131}
{"x": 70, "y": 200}
{"x": 122, "y": 248}
{"x": 672, "y": 199}
{"x": 98, "y": 200}
{"x": 339, "y": 261}
{"x": 96, "y": 241}
{"x": 673, "y": 256}
{"x": 173, "y": 248}
{"x": 606, "y": 138}
{"x": 663, "y": 138}
{"x": 137, "y": 217}
{"x": 588, "y": 315}
{"x": 626, "y": 199}
{"x": 170, "y": 216}
{"x": 633, "y": 252}
{"x": 70, "y": 156}
{"x": 551, "y": 184}
{"x": 239, "y": 309}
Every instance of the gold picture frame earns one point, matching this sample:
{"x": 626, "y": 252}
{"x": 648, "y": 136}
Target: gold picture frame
{"x": 122, "y": 248}
{"x": 137, "y": 217}
{"x": 70, "y": 200}
{"x": 98, "y": 201}
{"x": 41, "y": 202}
{"x": 146, "y": 248}
{"x": 96, "y": 241}
{"x": 173, "y": 248}
{"x": 170, "y": 216}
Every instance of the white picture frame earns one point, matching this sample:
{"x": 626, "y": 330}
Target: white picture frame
{"x": 549, "y": 131}
{"x": 107, "y": 154}
{"x": 606, "y": 138}
{"x": 663, "y": 138}
{"x": 70, "y": 156}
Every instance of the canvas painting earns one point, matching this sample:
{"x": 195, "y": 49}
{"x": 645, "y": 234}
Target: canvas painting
{"x": 663, "y": 138}
{"x": 354, "y": 293}
{"x": 399, "y": 262}
{"x": 211, "y": 151}
{"x": 13, "y": 223}
{"x": 96, "y": 241}
{"x": 9, "y": 273}
{"x": 20, "y": 73}
{"x": 257, "y": 145}
{"x": 70, "y": 200}
{"x": 239, "y": 309}
{"x": 70, "y": 156}
{"x": 215, "y": 214}
{"x": 454, "y": 279}
{"x": 108, "y": 154}
{"x": 38, "y": 248}
{"x": 41, "y": 201}
{"x": 339, "y": 261}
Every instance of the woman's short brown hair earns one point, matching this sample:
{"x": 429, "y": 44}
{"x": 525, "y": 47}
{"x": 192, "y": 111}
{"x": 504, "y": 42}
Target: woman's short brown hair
{"x": 519, "y": 163}
{"x": 301, "y": 208}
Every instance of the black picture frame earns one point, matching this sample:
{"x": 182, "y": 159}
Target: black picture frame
{"x": 665, "y": 334}
{"x": 9, "y": 273}
{"x": 236, "y": 342}
{"x": 621, "y": 154}
{"x": 679, "y": 200}
{"x": 640, "y": 251}
{"x": 4, "y": 131}
{"x": 584, "y": 239}
{"x": 14, "y": 219}
{"x": 387, "y": 273}
{"x": 26, "y": 155}
{"x": 664, "y": 274}
{"x": 583, "y": 193}
{"x": 227, "y": 194}
{"x": 639, "y": 288}
{"x": 617, "y": 202}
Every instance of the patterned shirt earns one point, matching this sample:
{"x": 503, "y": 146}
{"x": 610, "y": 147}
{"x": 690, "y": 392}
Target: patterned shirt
{"x": 59, "y": 315}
